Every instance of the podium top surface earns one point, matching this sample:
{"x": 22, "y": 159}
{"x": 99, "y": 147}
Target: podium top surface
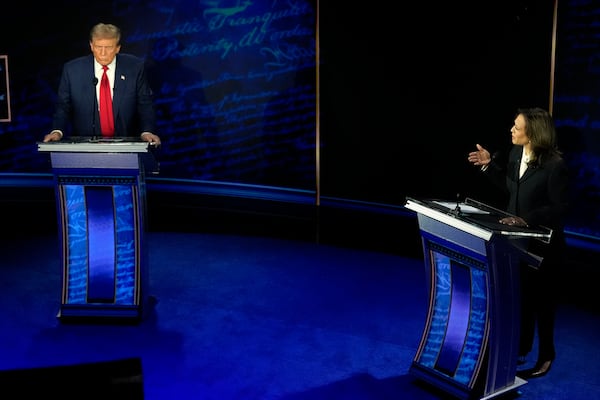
{"x": 475, "y": 218}
{"x": 96, "y": 145}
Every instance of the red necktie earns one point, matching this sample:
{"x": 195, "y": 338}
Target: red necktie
{"x": 107, "y": 122}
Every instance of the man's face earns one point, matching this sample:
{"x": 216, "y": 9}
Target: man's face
{"x": 104, "y": 50}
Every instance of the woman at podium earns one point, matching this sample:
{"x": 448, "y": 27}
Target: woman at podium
{"x": 535, "y": 180}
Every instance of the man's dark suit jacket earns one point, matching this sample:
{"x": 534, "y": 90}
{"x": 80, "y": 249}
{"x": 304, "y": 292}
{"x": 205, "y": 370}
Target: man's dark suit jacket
{"x": 76, "y": 111}
{"x": 540, "y": 196}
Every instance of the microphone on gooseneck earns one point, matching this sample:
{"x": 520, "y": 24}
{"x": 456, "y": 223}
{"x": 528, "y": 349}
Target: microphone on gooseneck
{"x": 94, "y": 107}
{"x": 457, "y": 210}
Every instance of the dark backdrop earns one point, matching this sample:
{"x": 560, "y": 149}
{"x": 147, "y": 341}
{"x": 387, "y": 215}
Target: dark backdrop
{"x": 406, "y": 94}
{"x": 577, "y": 107}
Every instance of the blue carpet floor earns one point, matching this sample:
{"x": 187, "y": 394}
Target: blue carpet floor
{"x": 245, "y": 317}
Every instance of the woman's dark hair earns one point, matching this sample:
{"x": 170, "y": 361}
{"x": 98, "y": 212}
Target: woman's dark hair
{"x": 541, "y": 131}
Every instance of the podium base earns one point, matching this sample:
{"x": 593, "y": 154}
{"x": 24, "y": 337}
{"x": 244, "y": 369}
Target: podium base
{"x": 518, "y": 383}
{"x": 112, "y": 314}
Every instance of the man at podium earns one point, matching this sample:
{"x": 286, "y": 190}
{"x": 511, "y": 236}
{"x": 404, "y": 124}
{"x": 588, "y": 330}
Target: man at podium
{"x": 103, "y": 99}
{"x": 536, "y": 181}
{"x": 83, "y": 109}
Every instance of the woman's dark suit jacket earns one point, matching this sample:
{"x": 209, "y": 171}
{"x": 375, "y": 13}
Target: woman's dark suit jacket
{"x": 540, "y": 196}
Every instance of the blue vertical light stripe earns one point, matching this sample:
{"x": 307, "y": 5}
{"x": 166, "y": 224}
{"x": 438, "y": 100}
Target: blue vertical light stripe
{"x": 101, "y": 242}
{"x": 458, "y": 320}
{"x": 127, "y": 251}
{"x": 77, "y": 253}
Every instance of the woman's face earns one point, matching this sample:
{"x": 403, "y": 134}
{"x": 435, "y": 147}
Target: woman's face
{"x": 519, "y": 131}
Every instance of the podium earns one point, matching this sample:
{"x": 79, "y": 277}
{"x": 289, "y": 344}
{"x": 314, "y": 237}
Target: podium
{"x": 470, "y": 342}
{"x": 100, "y": 198}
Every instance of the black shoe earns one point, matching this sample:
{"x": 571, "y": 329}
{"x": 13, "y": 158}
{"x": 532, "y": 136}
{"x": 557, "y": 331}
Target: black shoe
{"x": 540, "y": 369}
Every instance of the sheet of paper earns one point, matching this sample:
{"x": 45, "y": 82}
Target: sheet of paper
{"x": 463, "y": 207}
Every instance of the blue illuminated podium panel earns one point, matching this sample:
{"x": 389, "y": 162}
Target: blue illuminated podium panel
{"x": 469, "y": 346}
{"x": 100, "y": 193}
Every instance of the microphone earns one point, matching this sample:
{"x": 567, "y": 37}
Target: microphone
{"x": 94, "y": 107}
{"x": 457, "y": 211}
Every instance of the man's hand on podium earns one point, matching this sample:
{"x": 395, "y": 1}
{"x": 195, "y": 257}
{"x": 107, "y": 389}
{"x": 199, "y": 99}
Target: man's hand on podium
{"x": 53, "y": 136}
{"x": 151, "y": 138}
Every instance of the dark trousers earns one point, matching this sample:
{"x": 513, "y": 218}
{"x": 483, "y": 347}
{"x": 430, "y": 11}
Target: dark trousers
{"x": 538, "y": 309}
